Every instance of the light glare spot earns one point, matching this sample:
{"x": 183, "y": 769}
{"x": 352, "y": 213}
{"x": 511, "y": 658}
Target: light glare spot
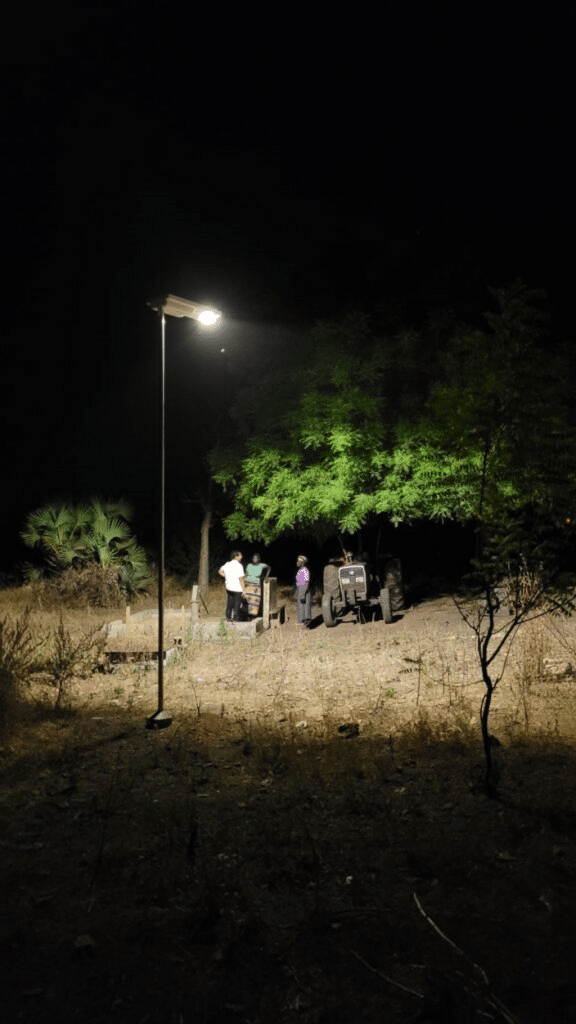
{"x": 208, "y": 317}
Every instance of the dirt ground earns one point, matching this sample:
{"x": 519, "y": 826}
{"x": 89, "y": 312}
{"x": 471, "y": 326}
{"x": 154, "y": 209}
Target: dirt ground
{"x": 308, "y": 842}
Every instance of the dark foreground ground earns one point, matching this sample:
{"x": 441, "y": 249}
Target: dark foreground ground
{"x": 224, "y": 872}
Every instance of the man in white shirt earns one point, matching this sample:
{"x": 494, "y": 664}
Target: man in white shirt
{"x": 233, "y": 573}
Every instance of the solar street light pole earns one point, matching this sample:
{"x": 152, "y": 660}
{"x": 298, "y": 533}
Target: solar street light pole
{"x": 173, "y": 306}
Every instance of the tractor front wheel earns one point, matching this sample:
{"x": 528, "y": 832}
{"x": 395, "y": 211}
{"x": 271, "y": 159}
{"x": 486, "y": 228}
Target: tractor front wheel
{"x": 328, "y": 612}
{"x": 385, "y": 604}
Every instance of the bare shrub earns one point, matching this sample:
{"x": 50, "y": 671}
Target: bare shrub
{"x": 95, "y": 585}
{"x": 18, "y": 657}
{"x": 68, "y": 657}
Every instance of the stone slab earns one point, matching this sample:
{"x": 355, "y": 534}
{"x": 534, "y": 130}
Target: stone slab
{"x": 219, "y": 629}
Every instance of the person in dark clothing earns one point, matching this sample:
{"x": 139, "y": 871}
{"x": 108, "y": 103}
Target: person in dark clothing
{"x": 303, "y": 592}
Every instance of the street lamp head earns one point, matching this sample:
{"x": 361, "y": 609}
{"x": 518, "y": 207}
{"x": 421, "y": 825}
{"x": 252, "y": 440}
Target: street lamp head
{"x": 209, "y": 317}
{"x": 173, "y": 305}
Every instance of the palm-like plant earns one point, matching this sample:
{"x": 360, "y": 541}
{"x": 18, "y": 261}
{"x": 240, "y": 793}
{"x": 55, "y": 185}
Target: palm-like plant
{"x": 51, "y": 528}
{"x": 98, "y": 533}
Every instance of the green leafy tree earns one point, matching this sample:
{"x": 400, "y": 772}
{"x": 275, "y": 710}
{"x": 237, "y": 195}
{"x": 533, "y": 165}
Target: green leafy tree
{"x": 317, "y": 449}
{"x": 496, "y": 433}
{"x": 73, "y": 537}
{"x": 474, "y": 432}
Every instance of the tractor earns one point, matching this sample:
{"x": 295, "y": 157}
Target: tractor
{"x": 352, "y": 587}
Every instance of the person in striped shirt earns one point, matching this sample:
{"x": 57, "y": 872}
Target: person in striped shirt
{"x": 303, "y": 592}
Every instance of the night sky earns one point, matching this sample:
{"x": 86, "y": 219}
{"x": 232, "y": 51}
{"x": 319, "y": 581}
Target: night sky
{"x": 282, "y": 172}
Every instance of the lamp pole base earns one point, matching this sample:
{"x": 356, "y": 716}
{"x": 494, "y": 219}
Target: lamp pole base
{"x": 159, "y": 720}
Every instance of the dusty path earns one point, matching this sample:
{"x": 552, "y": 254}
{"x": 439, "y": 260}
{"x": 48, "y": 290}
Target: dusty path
{"x": 375, "y": 674}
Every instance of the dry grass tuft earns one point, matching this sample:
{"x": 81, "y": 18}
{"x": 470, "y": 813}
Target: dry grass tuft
{"x": 457, "y": 725}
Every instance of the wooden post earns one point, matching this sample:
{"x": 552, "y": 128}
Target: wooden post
{"x": 195, "y": 604}
{"x": 269, "y": 599}
{"x": 127, "y": 615}
{"x": 266, "y": 603}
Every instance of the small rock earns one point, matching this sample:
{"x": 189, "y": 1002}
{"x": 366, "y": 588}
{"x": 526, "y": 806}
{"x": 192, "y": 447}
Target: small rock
{"x": 558, "y": 668}
{"x": 349, "y": 730}
{"x": 84, "y": 945}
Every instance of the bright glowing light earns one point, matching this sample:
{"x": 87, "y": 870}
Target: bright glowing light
{"x": 174, "y": 305}
{"x": 208, "y": 317}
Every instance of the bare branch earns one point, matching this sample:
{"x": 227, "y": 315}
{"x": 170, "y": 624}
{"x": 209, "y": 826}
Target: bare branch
{"x": 397, "y": 984}
{"x": 490, "y": 996}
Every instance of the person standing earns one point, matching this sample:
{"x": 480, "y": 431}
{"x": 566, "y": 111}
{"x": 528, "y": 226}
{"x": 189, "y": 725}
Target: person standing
{"x": 303, "y": 592}
{"x": 256, "y": 572}
{"x": 233, "y": 573}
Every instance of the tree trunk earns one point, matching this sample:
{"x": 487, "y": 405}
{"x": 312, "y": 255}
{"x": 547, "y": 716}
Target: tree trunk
{"x": 204, "y": 563}
{"x": 490, "y": 776}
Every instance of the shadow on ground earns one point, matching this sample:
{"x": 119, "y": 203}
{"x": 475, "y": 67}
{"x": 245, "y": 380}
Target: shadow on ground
{"x": 220, "y": 871}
